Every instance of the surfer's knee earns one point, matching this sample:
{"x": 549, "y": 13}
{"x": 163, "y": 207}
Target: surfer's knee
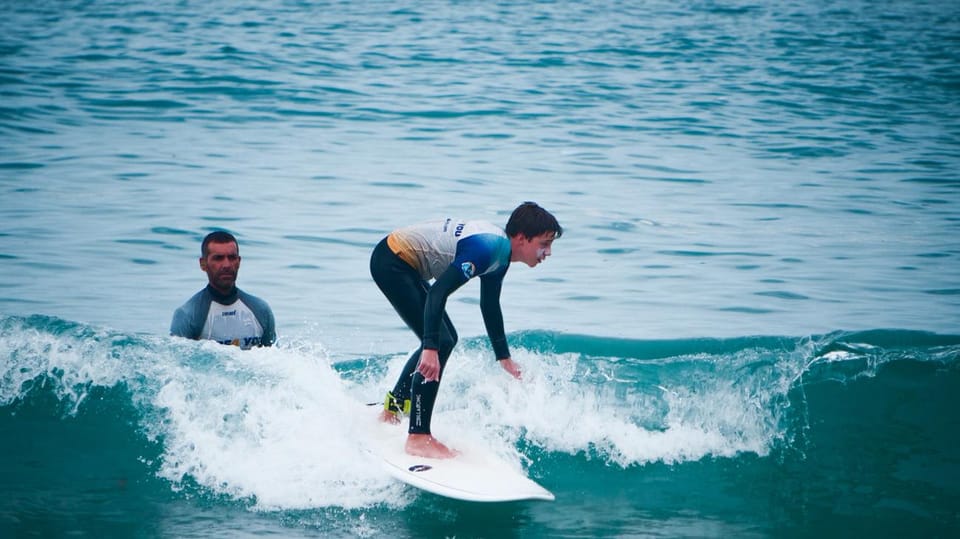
{"x": 447, "y": 344}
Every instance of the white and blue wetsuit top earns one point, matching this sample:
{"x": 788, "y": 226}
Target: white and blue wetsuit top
{"x": 452, "y": 252}
{"x": 476, "y": 247}
{"x": 237, "y": 318}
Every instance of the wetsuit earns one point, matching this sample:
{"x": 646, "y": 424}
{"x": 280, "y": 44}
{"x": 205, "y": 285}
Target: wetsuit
{"x": 236, "y": 318}
{"x": 451, "y": 252}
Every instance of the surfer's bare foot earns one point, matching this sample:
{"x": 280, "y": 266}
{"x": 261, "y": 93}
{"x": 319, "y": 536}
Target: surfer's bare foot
{"x": 425, "y": 445}
{"x": 387, "y": 416}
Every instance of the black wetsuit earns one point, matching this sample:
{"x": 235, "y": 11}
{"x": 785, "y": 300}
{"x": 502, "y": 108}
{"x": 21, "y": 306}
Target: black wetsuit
{"x": 451, "y": 252}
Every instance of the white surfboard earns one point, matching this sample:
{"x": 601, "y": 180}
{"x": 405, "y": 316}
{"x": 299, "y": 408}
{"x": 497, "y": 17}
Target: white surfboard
{"x": 473, "y": 475}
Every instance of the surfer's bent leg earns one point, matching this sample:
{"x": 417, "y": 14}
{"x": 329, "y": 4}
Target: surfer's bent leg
{"x": 401, "y": 391}
{"x": 407, "y": 292}
{"x": 424, "y": 395}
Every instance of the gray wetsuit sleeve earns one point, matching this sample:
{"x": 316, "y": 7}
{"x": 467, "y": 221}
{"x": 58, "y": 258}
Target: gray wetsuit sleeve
{"x": 261, "y": 310}
{"x": 189, "y": 318}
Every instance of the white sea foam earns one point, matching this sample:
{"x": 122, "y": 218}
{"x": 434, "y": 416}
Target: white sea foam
{"x": 278, "y": 427}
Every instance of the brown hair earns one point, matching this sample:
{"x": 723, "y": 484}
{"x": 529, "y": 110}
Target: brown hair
{"x": 531, "y": 220}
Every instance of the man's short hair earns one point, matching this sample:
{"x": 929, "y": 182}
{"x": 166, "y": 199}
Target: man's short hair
{"x": 531, "y": 220}
{"x": 217, "y": 236}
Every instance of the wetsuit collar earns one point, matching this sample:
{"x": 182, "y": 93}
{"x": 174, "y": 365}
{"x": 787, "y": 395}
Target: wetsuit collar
{"x": 221, "y": 298}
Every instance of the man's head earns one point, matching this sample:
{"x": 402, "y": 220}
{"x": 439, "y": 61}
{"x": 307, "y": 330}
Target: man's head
{"x": 532, "y": 230}
{"x": 220, "y": 259}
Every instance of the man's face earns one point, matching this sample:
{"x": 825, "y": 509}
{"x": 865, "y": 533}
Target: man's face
{"x": 535, "y": 250}
{"x": 221, "y": 265}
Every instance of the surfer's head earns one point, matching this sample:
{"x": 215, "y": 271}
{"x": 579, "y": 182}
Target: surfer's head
{"x": 220, "y": 259}
{"x": 217, "y": 236}
{"x": 530, "y": 220}
{"x": 532, "y": 230}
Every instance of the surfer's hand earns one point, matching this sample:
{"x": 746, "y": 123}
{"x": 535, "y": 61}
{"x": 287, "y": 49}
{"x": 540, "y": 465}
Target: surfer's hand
{"x": 429, "y": 365}
{"x": 512, "y": 367}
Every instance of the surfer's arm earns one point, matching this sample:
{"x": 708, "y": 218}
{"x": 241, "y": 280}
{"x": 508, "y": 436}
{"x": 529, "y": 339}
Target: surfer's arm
{"x": 188, "y": 318}
{"x": 264, "y": 315}
{"x": 181, "y": 326}
{"x": 512, "y": 367}
{"x": 490, "y": 286}
{"x": 446, "y": 284}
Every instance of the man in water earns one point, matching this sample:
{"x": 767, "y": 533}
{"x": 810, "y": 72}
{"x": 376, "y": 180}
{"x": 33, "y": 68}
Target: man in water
{"x": 221, "y": 311}
{"x": 451, "y": 252}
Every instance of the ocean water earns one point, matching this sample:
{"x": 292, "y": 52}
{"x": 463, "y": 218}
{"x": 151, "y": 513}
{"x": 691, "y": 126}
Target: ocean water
{"x": 750, "y": 327}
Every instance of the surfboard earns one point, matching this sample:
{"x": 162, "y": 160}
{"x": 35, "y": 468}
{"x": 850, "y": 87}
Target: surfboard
{"x": 474, "y": 475}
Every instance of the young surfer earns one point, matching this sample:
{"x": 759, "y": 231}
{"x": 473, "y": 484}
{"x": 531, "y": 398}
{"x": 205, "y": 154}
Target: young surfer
{"x": 450, "y": 252}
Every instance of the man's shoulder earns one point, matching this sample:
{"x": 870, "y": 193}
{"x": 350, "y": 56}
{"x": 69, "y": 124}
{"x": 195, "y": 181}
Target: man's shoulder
{"x": 202, "y": 296}
{"x": 252, "y": 301}
{"x": 187, "y": 318}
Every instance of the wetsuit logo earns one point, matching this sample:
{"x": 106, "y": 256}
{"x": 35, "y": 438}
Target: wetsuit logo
{"x": 419, "y": 408}
{"x": 242, "y": 342}
{"x": 468, "y": 269}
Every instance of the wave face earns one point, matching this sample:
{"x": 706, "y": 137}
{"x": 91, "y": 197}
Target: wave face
{"x": 116, "y": 433}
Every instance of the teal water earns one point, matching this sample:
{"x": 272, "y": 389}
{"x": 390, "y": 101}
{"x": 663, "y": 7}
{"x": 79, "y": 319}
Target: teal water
{"x": 749, "y": 327}
{"x": 848, "y": 433}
